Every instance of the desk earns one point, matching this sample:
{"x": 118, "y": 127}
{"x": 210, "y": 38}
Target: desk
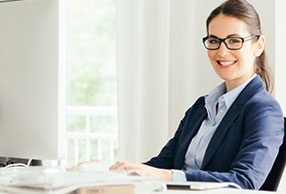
{"x": 213, "y": 191}
{"x": 36, "y": 180}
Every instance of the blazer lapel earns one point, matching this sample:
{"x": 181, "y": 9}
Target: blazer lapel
{"x": 220, "y": 133}
{"x": 194, "y": 125}
{"x": 253, "y": 87}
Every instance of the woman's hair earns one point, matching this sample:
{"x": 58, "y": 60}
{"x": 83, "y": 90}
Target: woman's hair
{"x": 244, "y": 11}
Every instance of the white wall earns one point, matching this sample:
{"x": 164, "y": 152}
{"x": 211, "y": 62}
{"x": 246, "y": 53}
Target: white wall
{"x": 280, "y": 73}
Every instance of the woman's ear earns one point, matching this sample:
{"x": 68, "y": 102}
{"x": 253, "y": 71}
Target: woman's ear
{"x": 259, "y": 46}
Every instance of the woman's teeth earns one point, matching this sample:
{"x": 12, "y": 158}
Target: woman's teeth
{"x": 226, "y": 63}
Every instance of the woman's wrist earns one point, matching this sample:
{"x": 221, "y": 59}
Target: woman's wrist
{"x": 167, "y": 175}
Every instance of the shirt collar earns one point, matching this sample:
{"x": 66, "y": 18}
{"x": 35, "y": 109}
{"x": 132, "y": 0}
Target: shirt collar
{"x": 218, "y": 94}
{"x": 212, "y": 98}
{"x": 230, "y": 96}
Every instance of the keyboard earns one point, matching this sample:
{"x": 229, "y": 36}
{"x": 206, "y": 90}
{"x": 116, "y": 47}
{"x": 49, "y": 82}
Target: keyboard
{"x": 54, "y": 178}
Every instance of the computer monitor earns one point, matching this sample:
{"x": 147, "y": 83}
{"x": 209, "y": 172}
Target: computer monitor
{"x": 32, "y": 79}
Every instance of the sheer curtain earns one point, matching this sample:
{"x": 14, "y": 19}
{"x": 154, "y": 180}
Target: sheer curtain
{"x": 159, "y": 67}
{"x": 163, "y": 68}
{"x": 143, "y": 73}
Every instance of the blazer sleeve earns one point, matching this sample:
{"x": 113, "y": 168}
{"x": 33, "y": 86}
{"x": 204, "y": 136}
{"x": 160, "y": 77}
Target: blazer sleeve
{"x": 263, "y": 129}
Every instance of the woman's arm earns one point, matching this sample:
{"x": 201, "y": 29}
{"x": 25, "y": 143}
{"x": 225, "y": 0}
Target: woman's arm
{"x": 263, "y": 131}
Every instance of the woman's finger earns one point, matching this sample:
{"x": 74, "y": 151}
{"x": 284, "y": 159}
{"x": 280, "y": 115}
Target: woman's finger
{"x": 118, "y": 166}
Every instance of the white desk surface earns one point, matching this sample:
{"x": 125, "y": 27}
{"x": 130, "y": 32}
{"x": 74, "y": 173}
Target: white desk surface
{"x": 142, "y": 185}
{"x": 211, "y": 191}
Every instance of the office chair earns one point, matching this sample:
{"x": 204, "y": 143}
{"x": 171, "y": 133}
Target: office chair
{"x": 272, "y": 181}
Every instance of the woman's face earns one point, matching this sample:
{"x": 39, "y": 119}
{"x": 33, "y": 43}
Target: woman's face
{"x": 233, "y": 66}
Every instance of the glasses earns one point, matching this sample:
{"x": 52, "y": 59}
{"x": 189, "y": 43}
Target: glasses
{"x": 232, "y": 43}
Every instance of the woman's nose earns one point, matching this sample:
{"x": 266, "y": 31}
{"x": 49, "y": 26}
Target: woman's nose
{"x": 222, "y": 50}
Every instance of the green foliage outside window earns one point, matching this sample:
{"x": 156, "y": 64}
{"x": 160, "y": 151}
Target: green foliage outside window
{"x": 91, "y": 53}
{"x": 91, "y": 72}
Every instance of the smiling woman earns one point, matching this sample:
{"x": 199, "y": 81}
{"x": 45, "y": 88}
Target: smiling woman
{"x": 233, "y": 133}
{"x": 235, "y": 60}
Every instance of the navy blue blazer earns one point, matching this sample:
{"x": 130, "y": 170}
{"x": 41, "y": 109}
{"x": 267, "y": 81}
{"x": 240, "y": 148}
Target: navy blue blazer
{"x": 242, "y": 149}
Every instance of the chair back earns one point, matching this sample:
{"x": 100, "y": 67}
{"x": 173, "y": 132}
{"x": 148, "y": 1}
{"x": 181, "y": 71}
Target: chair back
{"x": 272, "y": 181}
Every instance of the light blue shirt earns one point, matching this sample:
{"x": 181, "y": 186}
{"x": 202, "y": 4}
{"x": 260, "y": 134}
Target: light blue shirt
{"x": 217, "y": 103}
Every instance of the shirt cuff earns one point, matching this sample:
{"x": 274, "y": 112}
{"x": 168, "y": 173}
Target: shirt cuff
{"x": 178, "y": 176}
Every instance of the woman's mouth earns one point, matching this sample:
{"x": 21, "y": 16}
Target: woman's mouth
{"x": 226, "y": 62}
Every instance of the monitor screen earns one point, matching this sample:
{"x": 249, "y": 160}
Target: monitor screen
{"x": 32, "y": 79}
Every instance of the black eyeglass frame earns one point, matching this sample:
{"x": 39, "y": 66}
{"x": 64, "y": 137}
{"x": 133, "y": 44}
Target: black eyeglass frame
{"x": 223, "y": 40}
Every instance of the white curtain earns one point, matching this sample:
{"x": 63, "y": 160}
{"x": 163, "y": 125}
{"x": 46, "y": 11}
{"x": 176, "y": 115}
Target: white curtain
{"x": 143, "y": 73}
{"x": 162, "y": 69}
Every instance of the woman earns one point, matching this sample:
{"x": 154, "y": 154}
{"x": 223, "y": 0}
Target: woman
{"x": 232, "y": 134}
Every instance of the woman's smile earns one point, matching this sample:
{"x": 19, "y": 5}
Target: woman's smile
{"x": 226, "y": 63}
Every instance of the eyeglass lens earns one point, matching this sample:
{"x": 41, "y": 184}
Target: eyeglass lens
{"x": 231, "y": 42}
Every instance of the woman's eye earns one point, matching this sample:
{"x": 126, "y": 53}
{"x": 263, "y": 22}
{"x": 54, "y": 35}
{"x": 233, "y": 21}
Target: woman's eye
{"x": 234, "y": 40}
{"x": 213, "y": 41}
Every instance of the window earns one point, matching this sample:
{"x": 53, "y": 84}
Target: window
{"x": 91, "y": 85}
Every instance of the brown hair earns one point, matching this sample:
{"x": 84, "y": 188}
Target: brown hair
{"x": 243, "y": 10}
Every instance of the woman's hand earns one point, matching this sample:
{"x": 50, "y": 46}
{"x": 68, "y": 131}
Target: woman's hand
{"x": 92, "y": 165}
{"x": 143, "y": 170}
